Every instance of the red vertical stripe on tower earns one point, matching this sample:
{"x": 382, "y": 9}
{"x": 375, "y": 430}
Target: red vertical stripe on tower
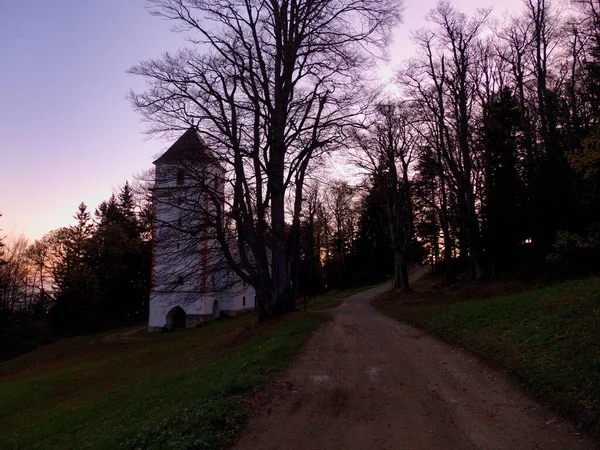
{"x": 205, "y": 248}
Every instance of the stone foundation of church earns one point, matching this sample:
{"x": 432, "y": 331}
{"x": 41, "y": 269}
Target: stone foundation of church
{"x": 192, "y": 320}
{"x": 236, "y": 312}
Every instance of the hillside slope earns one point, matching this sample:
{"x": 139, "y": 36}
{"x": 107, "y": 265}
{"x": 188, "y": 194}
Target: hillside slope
{"x": 547, "y": 338}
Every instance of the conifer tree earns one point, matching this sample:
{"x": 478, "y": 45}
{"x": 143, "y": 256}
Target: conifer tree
{"x": 76, "y": 306}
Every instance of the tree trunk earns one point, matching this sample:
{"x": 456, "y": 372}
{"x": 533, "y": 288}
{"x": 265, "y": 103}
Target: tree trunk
{"x": 261, "y": 305}
{"x": 280, "y": 299}
{"x": 435, "y": 252}
{"x": 400, "y": 271}
{"x": 475, "y": 267}
{"x": 450, "y": 277}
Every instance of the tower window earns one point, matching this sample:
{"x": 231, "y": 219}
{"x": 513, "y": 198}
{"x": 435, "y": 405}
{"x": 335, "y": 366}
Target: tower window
{"x": 180, "y": 177}
{"x": 244, "y": 300}
{"x": 179, "y": 280}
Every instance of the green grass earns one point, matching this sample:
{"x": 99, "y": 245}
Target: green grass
{"x": 548, "y": 338}
{"x": 163, "y": 390}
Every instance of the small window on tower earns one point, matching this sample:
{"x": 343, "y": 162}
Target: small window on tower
{"x": 179, "y": 280}
{"x": 180, "y": 177}
{"x": 179, "y": 222}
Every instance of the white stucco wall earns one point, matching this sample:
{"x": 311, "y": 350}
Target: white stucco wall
{"x": 238, "y": 299}
{"x": 174, "y": 261}
{"x": 229, "y": 301}
{"x": 162, "y": 302}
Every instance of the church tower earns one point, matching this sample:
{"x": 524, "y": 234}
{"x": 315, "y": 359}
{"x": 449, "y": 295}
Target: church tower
{"x": 189, "y": 274}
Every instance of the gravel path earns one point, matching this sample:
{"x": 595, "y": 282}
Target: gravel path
{"x": 365, "y": 381}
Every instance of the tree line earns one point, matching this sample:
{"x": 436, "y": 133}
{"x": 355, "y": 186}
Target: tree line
{"x": 505, "y": 113}
{"x": 96, "y": 274}
{"x": 78, "y": 279}
{"x": 269, "y": 86}
{"x": 344, "y": 240}
{"x": 486, "y": 157}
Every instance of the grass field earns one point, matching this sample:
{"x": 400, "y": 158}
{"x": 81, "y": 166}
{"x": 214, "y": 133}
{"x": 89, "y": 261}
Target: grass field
{"x": 139, "y": 390}
{"x": 130, "y": 389}
{"x": 547, "y": 338}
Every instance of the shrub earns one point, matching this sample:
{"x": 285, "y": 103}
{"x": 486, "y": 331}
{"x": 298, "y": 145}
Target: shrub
{"x": 576, "y": 252}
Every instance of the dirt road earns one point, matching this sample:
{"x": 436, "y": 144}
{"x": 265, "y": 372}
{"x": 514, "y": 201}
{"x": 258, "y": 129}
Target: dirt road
{"x": 365, "y": 381}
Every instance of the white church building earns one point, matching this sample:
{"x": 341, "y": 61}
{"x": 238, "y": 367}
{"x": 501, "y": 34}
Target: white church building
{"x": 190, "y": 281}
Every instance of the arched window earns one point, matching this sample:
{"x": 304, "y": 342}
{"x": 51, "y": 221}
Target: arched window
{"x": 180, "y": 177}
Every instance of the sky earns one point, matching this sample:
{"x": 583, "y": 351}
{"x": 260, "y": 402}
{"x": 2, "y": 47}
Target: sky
{"x": 67, "y": 132}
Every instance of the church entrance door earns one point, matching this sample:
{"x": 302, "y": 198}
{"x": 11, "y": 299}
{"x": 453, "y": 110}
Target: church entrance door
{"x": 176, "y": 318}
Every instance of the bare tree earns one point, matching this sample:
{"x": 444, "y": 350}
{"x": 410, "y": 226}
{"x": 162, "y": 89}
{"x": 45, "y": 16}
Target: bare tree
{"x": 387, "y": 151}
{"x": 315, "y": 237}
{"x": 14, "y": 279}
{"x": 547, "y": 63}
{"x": 39, "y": 256}
{"x": 341, "y": 205}
{"x": 268, "y": 86}
{"x": 585, "y": 51}
{"x": 441, "y": 80}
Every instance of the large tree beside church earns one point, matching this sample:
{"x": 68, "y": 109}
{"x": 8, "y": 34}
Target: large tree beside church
{"x": 269, "y": 85}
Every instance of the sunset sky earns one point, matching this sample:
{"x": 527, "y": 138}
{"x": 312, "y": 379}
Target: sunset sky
{"x": 67, "y": 133}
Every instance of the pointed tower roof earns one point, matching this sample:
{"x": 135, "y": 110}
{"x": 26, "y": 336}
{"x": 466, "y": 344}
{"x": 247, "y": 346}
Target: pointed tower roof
{"x": 189, "y": 146}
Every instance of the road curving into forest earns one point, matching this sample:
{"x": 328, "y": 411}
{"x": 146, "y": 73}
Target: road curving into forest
{"x": 365, "y": 381}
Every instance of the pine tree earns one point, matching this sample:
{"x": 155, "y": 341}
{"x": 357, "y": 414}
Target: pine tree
{"x": 126, "y": 205}
{"x": 506, "y": 219}
{"x": 76, "y": 307}
{"x": 122, "y": 258}
{"x": 372, "y": 256}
